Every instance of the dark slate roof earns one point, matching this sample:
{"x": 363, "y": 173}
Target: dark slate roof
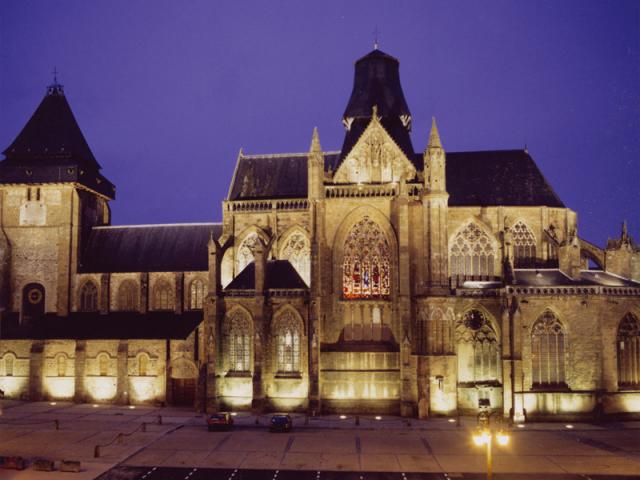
{"x": 115, "y": 325}
{"x": 52, "y": 148}
{"x": 554, "y": 277}
{"x": 280, "y": 275}
{"x": 149, "y": 248}
{"x": 493, "y": 177}
{"x": 377, "y": 82}
{"x": 497, "y": 177}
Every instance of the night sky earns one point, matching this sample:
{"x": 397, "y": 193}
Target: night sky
{"x": 166, "y": 93}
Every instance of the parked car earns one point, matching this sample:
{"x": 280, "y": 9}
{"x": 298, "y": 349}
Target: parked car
{"x": 280, "y": 422}
{"x": 219, "y": 421}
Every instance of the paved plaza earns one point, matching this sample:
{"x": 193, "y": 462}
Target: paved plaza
{"x": 320, "y": 448}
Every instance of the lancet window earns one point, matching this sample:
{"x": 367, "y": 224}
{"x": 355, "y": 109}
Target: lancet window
{"x": 629, "y": 352}
{"x": 196, "y": 294}
{"x": 239, "y": 342}
{"x": 287, "y": 332}
{"x": 472, "y": 253}
{"x": 297, "y": 250}
{"x": 478, "y": 349}
{"x": 548, "y": 351}
{"x": 103, "y": 364}
{"x": 143, "y": 364}
{"x": 89, "y": 297}
{"x": 8, "y": 365}
{"x": 524, "y": 246}
{"x": 162, "y": 298}
{"x": 127, "y": 296}
{"x": 61, "y": 363}
{"x": 366, "y": 262}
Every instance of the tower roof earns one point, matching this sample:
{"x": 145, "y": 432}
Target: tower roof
{"x": 50, "y": 145}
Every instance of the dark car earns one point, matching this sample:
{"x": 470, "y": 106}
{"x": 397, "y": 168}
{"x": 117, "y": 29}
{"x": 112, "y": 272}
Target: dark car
{"x": 280, "y": 422}
{"x": 219, "y": 421}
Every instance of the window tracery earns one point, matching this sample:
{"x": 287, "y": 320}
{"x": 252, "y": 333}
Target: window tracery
{"x": 548, "y": 351}
{"x": 239, "y": 342}
{"x": 196, "y": 294}
{"x": 366, "y": 262}
{"x": 127, "y": 296}
{"x": 287, "y": 333}
{"x": 472, "y": 253}
{"x": 524, "y": 246}
{"x": 478, "y": 349}
{"x": 89, "y": 297}
{"x": 244, "y": 255}
{"x": 628, "y": 349}
{"x": 298, "y": 251}
{"x": 162, "y": 296}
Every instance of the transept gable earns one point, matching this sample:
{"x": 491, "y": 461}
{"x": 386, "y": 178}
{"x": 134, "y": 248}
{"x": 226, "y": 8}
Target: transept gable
{"x": 375, "y": 158}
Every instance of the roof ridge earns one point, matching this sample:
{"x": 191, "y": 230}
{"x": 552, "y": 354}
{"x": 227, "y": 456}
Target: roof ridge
{"x": 285, "y": 155}
{"x": 107, "y": 227}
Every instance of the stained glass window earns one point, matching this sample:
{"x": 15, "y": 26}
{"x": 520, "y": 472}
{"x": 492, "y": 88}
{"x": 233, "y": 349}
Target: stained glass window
{"x": 548, "y": 351}
{"x": 629, "y": 352}
{"x": 366, "y": 262}
{"x": 472, "y": 253}
{"x": 287, "y": 331}
{"x": 524, "y": 244}
{"x": 89, "y": 297}
{"x": 239, "y": 342}
{"x": 297, "y": 250}
{"x": 196, "y": 291}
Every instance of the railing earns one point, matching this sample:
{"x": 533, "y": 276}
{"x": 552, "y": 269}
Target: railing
{"x": 265, "y": 205}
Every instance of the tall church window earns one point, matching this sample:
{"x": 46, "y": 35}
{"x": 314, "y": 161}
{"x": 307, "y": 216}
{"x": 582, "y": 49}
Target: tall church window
{"x": 239, "y": 340}
{"x": 366, "y": 262}
{"x": 8, "y": 365}
{"x": 287, "y": 333}
{"x": 196, "y": 294}
{"x": 478, "y": 349}
{"x": 61, "y": 363}
{"x": 128, "y": 296}
{"x": 162, "y": 297}
{"x": 143, "y": 364}
{"x": 628, "y": 348}
{"x": 548, "y": 351}
{"x": 89, "y": 297}
{"x": 472, "y": 253}
{"x": 297, "y": 250}
{"x": 244, "y": 255}
{"x": 524, "y": 246}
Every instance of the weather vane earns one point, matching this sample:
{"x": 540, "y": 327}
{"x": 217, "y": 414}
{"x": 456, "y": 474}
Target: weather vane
{"x": 376, "y": 32}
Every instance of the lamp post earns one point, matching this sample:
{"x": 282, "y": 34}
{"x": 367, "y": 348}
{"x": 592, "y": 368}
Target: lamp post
{"x": 484, "y": 436}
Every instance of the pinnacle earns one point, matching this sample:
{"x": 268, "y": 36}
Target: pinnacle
{"x": 315, "y": 142}
{"x": 434, "y": 136}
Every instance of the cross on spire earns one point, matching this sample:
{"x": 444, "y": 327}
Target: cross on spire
{"x": 376, "y": 32}
{"x": 55, "y": 75}
{"x": 55, "y": 87}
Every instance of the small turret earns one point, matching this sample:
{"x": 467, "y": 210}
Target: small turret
{"x": 315, "y": 168}
{"x": 434, "y": 162}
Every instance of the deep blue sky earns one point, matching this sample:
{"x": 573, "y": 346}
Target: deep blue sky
{"x": 167, "y": 92}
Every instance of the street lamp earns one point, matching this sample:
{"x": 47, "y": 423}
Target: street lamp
{"x": 484, "y": 436}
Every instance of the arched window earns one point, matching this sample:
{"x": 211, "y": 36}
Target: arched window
{"x": 61, "y": 362}
{"x": 548, "y": 351}
{"x": 143, "y": 364}
{"x": 366, "y": 262}
{"x": 244, "y": 254}
{"x": 162, "y": 297}
{"x": 629, "y": 352}
{"x": 297, "y": 250}
{"x": 103, "y": 364}
{"x": 128, "y": 296}
{"x": 196, "y": 294}
{"x": 440, "y": 331}
{"x": 287, "y": 333}
{"x": 89, "y": 297}
{"x": 524, "y": 246}
{"x": 239, "y": 342}
{"x": 472, "y": 253}
{"x": 478, "y": 349}
{"x": 8, "y": 364}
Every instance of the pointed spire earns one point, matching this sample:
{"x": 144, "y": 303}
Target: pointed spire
{"x": 625, "y": 232}
{"x": 434, "y": 136}
{"x": 315, "y": 142}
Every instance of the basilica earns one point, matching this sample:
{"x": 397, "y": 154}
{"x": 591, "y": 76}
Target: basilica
{"x": 370, "y": 279}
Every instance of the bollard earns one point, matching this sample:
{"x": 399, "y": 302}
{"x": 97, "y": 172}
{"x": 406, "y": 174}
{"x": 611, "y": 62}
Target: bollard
{"x": 144, "y": 426}
{"x": 357, "y": 420}
{"x": 159, "y": 419}
{"x": 96, "y": 452}
{"x": 57, "y": 424}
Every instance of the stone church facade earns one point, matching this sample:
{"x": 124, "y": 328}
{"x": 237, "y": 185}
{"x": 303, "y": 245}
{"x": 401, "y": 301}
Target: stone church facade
{"x": 369, "y": 279}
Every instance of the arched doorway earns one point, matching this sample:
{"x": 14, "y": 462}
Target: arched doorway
{"x": 183, "y": 382}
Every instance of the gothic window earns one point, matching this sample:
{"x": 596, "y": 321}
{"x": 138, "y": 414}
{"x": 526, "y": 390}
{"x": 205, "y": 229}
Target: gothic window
{"x": 143, "y": 364}
{"x": 103, "y": 364}
{"x": 89, "y": 297}
{"x": 8, "y": 365}
{"x": 548, "y": 351}
{"x": 524, "y": 246}
{"x": 128, "y": 296}
{"x": 244, "y": 255}
{"x": 196, "y": 294}
{"x": 162, "y": 298}
{"x": 472, "y": 253}
{"x": 366, "y": 262}
{"x": 629, "y": 352}
{"x": 478, "y": 349}
{"x": 439, "y": 332}
{"x": 61, "y": 363}
{"x": 239, "y": 340}
{"x": 297, "y": 250}
{"x": 287, "y": 333}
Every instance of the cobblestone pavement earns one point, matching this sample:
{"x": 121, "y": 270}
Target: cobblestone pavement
{"x": 385, "y": 448}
